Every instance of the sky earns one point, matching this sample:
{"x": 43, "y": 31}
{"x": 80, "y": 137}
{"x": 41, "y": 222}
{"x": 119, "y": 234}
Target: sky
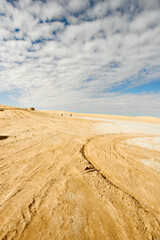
{"x": 91, "y": 56}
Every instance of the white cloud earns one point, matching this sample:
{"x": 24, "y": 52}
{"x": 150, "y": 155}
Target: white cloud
{"x": 145, "y": 20}
{"x": 79, "y": 53}
{"x": 77, "y": 6}
{"x": 45, "y": 30}
{"x": 52, "y": 10}
{"x": 147, "y": 4}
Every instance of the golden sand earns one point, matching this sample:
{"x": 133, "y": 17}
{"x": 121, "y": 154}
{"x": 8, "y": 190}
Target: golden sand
{"x": 66, "y": 177}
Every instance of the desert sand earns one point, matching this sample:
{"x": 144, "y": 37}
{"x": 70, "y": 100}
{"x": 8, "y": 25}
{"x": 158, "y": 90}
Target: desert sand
{"x": 85, "y": 176}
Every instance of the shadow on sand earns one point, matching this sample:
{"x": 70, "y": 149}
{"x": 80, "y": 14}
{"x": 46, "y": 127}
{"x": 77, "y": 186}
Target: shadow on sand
{"x": 3, "y": 137}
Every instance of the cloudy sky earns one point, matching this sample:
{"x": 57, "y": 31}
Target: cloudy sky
{"x": 99, "y": 56}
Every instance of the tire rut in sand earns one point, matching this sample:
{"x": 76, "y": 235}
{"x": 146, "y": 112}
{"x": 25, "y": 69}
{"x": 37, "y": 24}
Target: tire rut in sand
{"x": 137, "y": 218}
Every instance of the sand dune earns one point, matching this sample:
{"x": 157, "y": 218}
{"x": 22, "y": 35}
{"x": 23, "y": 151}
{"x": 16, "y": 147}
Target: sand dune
{"x": 66, "y": 177}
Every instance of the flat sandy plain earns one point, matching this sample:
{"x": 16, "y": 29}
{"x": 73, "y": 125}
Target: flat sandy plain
{"x": 74, "y": 177}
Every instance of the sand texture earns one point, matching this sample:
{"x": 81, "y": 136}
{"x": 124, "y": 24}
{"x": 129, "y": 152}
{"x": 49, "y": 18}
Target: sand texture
{"x": 75, "y": 177}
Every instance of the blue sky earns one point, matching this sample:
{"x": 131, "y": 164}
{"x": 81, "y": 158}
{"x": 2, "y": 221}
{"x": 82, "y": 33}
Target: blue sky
{"x": 97, "y": 56}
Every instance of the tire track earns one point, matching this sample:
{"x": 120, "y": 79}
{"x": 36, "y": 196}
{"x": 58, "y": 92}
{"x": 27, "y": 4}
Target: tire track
{"x": 123, "y": 201}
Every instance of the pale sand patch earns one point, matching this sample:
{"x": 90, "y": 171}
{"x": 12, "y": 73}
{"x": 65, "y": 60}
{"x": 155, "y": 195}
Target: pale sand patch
{"x": 152, "y": 164}
{"x": 123, "y": 126}
{"x": 120, "y": 126}
{"x": 151, "y": 143}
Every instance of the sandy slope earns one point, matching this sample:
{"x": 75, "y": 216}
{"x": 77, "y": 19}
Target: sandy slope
{"x": 63, "y": 177}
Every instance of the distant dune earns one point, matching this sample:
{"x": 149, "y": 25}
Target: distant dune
{"x": 107, "y": 116}
{"x": 6, "y": 107}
